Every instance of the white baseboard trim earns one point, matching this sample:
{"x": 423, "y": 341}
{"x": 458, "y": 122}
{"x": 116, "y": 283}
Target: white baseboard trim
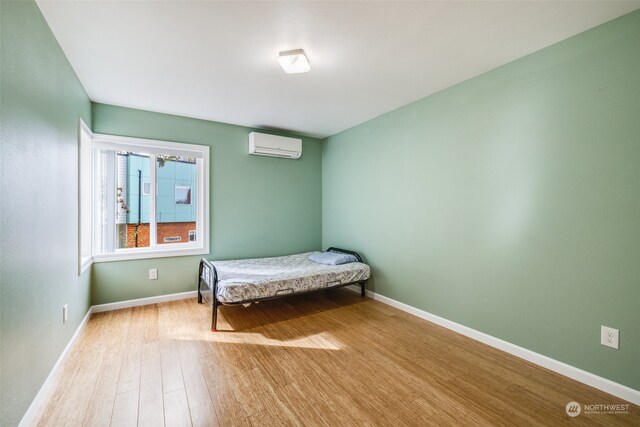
{"x": 603, "y": 384}
{"x": 31, "y": 416}
{"x": 143, "y": 301}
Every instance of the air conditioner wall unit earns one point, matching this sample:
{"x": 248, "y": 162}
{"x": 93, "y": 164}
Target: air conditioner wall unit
{"x": 262, "y": 144}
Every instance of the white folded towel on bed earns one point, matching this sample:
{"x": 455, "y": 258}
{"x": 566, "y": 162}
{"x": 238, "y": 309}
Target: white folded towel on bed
{"x": 332, "y": 258}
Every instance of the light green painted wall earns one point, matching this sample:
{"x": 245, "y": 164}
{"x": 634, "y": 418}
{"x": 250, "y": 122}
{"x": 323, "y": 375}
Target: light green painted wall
{"x": 40, "y": 102}
{"x": 509, "y": 203}
{"x": 260, "y": 206}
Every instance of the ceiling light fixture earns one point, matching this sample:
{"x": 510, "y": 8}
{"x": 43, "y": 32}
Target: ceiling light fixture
{"x": 294, "y": 61}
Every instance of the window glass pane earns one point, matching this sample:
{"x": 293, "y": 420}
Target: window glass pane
{"x": 104, "y": 201}
{"x": 176, "y": 199}
{"x": 132, "y": 202}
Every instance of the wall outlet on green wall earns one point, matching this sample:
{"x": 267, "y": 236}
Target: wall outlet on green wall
{"x": 610, "y": 337}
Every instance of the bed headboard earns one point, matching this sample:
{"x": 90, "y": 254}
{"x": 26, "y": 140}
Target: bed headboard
{"x": 346, "y": 251}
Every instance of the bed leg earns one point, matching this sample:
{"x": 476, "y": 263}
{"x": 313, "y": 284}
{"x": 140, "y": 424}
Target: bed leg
{"x": 214, "y": 315}
{"x": 363, "y": 288}
{"x": 200, "y": 283}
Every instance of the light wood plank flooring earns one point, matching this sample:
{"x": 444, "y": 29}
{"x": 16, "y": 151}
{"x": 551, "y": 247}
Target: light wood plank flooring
{"x": 326, "y": 359}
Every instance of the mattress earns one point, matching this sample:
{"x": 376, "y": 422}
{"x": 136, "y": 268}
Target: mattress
{"x": 259, "y": 278}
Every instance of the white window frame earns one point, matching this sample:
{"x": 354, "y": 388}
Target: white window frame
{"x": 85, "y": 186}
{"x": 155, "y": 147}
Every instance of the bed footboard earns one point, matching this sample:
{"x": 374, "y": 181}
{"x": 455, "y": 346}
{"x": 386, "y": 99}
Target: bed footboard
{"x": 208, "y": 281}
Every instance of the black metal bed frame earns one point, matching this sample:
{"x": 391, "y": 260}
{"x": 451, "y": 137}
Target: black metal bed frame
{"x": 213, "y": 277}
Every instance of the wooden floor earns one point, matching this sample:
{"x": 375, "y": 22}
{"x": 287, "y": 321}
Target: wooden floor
{"x": 328, "y": 359}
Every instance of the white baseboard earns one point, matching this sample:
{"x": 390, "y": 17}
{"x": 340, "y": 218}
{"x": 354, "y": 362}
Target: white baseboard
{"x": 31, "y": 416}
{"x": 608, "y": 386}
{"x": 143, "y": 301}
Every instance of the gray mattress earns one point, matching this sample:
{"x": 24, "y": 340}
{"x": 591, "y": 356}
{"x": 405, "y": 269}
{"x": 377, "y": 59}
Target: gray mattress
{"x": 251, "y": 279}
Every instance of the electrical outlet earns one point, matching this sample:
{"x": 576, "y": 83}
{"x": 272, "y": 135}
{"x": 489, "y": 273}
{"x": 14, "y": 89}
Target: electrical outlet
{"x": 65, "y": 313}
{"x": 610, "y": 337}
{"x": 153, "y": 273}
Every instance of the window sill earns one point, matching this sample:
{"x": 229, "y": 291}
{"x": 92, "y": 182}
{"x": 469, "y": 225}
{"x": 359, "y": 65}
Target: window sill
{"x": 148, "y": 254}
{"x": 85, "y": 263}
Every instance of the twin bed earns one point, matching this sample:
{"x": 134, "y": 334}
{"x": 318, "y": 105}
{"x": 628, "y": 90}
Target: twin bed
{"x": 251, "y": 280}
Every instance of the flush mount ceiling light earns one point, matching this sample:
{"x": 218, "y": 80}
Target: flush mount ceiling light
{"x": 294, "y": 61}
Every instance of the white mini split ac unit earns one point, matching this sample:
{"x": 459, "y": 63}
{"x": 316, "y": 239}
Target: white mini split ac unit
{"x": 262, "y": 144}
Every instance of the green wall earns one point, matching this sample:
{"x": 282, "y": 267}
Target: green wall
{"x": 260, "y": 206}
{"x": 40, "y": 102}
{"x": 509, "y": 203}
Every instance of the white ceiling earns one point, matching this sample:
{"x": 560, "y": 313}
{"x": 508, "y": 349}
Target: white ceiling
{"x": 218, "y": 60}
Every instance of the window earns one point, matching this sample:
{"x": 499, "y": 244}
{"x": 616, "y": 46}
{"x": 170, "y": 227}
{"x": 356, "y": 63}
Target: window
{"x": 84, "y": 196}
{"x": 183, "y": 195}
{"x": 149, "y": 198}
